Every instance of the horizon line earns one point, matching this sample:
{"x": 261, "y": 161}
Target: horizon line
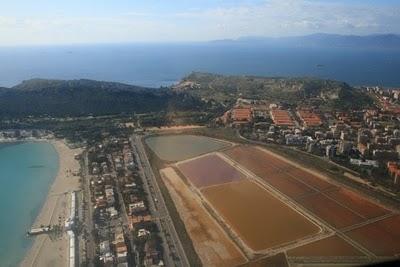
{"x": 191, "y": 41}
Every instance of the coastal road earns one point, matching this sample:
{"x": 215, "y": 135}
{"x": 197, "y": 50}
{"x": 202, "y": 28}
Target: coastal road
{"x": 174, "y": 254}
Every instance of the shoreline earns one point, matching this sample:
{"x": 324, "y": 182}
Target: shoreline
{"x": 53, "y": 249}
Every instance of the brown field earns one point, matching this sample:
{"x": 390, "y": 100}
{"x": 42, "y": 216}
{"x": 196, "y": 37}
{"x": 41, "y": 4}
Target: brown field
{"x": 333, "y": 246}
{"x": 347, "y": 208}
{"x": 392, "y": 225}
{"x": 329, "y": 211}
{"x": 259, "y": 162}
{"x": 278, "y": 260}
{"x": 357, "y": 203}
{"x": 287, "y": 185}
{"x": 270, "y": 169}
{"x": 261, "y": 220}
{"x": 264, "y": 165}
{"x": 209, "y": 170}
{"x": 211, "y": 243}
{"x": 311, "y": 179}
{"x": 381, "y": 238}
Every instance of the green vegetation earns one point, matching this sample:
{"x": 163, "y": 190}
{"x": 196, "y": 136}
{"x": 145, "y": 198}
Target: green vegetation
{"x": 84, "y": 97}
{"x": 81, "y": 130}
{"x": 292, "y": 91}
{"x": 199, "y": 97}
{"x": 175, "y": 118}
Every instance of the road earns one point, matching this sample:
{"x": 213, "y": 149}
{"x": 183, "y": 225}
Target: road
{"x": 123, "y": 210}
{"x": 174, "y": 254}
{"x": 88, "y": 211}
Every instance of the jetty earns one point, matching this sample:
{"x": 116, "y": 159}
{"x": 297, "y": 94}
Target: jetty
{"x": 40, "y": 230}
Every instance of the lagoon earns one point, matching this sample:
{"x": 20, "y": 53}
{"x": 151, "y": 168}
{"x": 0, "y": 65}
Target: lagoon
{"x": 181, "y": 147}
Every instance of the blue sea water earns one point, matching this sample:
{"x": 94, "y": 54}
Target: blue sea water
{"x": 154, "y": 65}
{"x": 27, "y": 171}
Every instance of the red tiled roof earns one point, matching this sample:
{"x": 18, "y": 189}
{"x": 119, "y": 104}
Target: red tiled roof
{"x": 241, "y": 114}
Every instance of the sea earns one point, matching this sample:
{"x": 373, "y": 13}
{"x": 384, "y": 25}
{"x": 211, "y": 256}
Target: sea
{"x": 155, "y": 65}
{"x": 27, "y": 170}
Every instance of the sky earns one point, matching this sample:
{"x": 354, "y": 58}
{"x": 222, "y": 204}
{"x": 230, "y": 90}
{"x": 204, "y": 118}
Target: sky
{"x": 31, "y": 22}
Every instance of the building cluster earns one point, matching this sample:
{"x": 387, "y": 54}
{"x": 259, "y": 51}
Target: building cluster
{"x": 368, "y": 141}
{"x": 14, "y": 135}
{"x": 244, "y": 112}
{"x": 282, "y": 117}
{"x": 127, "y": 236}
{"x": 309, "y": 118}
{"x": 388, "y": 98}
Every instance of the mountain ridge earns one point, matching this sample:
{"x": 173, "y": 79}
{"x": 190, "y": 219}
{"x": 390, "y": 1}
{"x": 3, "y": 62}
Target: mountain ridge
{"x": 226, "y": 89}
{"x": 196, "y": 92}
{"x": 389, "y": 40}
{"x": 40, "y": 84}
{"x": 84, "y": 97}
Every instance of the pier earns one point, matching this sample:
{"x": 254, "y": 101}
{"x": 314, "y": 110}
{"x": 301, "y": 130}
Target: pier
{"x": 39, "y": 231}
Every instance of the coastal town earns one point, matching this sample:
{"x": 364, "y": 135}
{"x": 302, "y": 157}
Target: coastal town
{"x": 113, "y": 214}
{"x": 126, "y": 210}
{"x": 366, "y": 142}
{"x": 257, "y": 133}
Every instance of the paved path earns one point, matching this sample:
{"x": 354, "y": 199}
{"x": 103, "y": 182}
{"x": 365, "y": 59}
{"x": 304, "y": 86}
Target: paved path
{"x": 88, "y": 211}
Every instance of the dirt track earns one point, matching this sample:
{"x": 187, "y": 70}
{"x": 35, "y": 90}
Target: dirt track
{"x": 382, "y": 237}
{"x": 332, "y": 246}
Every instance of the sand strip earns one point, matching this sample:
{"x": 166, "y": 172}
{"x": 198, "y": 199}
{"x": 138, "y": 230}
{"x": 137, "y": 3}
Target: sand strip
{"x": 52, "y": 249}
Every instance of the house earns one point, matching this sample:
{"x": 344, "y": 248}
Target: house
{"x": 152, "y": 255}
{"x": 134, "y": 220}
{"x": 241, "y": 115}
{"x": 143, "y": 232}
{"x": 112, "y": 211}
{"x": 295, "y": 140}
{"x": 120, "y": 246}
{"x": 309, "y": 118}
{"x": 281, "y": 117}
{"x": 137, "y": 207}
{"x": 364, "y": 163}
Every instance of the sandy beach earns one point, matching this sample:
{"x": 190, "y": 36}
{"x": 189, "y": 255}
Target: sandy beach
{"x": 175, "y": 128}
{"x": 53, "y": 249}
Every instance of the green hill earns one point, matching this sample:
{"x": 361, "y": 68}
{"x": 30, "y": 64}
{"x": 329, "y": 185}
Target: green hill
{"x": 83, "y": 97}
{"x": 196, "y": 92}
{"x": 325, "y": 93}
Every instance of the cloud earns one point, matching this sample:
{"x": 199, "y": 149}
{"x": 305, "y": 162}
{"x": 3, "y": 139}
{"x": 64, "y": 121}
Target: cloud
{"x": 294, "y": 17}
{"x": 268, "y": 18}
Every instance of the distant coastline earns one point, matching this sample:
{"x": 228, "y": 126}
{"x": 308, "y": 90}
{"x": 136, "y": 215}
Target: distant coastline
{"x": 158, "y": 65}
